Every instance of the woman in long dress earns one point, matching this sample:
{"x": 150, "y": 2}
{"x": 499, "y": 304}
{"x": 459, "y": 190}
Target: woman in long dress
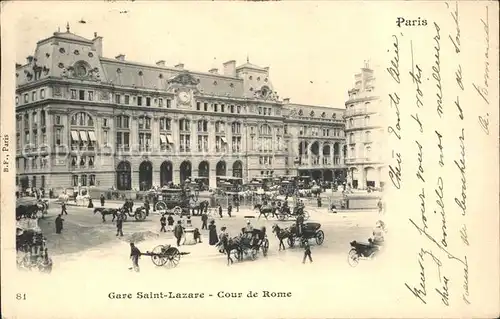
{"x": 212, "y": 234}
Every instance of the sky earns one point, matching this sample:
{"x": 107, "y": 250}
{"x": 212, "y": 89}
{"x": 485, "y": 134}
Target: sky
{"x": 313, "y": 49}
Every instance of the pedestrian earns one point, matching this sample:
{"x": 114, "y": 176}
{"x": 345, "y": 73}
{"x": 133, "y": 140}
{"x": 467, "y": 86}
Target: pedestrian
{"x": 119, "y": 226}
{"x": 102, "y": 200}
{"x": 380, "y": 206}
{"x": 63, "y": 209}
{"x": 170, "y": 221}
{"x": 204, "y": 219}
{"x": 319, "y": 201}
{"x": 307, "y": 251}
{"x": 135, "y": 254}
{"x": 178, "y": 231}
{"x": 155, "y": 200}
{"x": 163, "y": 222}
{"x": 237, "y": 203}
{"x": 146, "y": 206}
{"x": 91, "y": 205}
{"x": 220, "y": 210}
{"x": 212, "y": 234}
{"x": 229, "y": 209}
{"x": 59, "y": 224}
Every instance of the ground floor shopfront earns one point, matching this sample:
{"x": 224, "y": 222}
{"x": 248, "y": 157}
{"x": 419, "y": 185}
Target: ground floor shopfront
{"x": 326, "y": 175}
{"x": 362, "y": 177}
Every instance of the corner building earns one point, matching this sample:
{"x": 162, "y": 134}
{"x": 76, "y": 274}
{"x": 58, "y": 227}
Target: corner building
{"x": 86, "y": 120}
{"x": 364, "y": 133}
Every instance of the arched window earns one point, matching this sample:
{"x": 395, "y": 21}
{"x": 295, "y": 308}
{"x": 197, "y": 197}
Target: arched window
{"x": 367, "y": 120}
{"x": 82, "y": 119}
{"x": 351, "y": 122}
{"x": 165, "y": 124}
{"x": 351, "y": 138}
{"x": 122, "y": 122}
{"x": 265, "y": 130}
{"x": 202, "y": 126}
{"x": 144, "y": 122}
{"x": 219, "y": 127}
{"x": 184, "y": 125}
{"x": 236, "y": 128}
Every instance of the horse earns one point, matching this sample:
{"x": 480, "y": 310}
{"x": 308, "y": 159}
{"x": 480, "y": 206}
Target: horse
{"x": 265, "y": 210}
{"x": 282, "y": 233}
{"x": 230, "y": 244}
{"x": 200, "y": 207}
{"x": 106, "y": 211}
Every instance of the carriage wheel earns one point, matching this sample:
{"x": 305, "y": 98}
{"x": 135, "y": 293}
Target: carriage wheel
{"x": 291, "y": 241}
{"x": 320, "y": 237}
{"x": 177, "y": 210}
{"x": 253, "y": 253}
{"x": 306, "y": 215}
{"x": 160, "y": 206}
{"x": 159, "y": 258}
{"x": 173, "y": 257}
{"x": 265, "y": 247}
{"x": 353, "y": 258}
{"x": 236, "y": 255}
{"x": 140, "y": 216}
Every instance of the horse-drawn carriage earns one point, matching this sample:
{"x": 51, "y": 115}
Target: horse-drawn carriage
{"x": 31, "y": 251}
{"x": 281, "y": 211}
{"x": 165, "y": 255}
{"x": 123, "y": 212}
{"x": 293, "y": 235}
{"x": 174, "y": 200}
{"x": 361, "y": 251}
{"x": 31, "y": 208}
{"x": 247, "y": 244}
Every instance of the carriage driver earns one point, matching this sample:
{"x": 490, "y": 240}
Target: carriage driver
{"x": 299, "y": 223}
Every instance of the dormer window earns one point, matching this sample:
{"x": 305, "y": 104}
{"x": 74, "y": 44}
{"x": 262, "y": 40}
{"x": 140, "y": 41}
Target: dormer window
{"x": 91, "y": 55}
{"x": 250, "y": 77}
{"x": 76, "y": 52}
{"x": 323, "y": 114}
{"x": 312, "y": 113}
{"x": 301, "y": 113}
{"x": 118, "y": 70}
{"x": 140, "y": 73}
{"x": 61, "y": 50}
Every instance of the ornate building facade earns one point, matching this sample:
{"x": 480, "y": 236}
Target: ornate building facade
{"x": 363, "y": 132}
{"x": 86, "y": 120}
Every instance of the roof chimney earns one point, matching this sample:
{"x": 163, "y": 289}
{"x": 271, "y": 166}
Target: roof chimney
{"x": 230, "y": 68}
{"x": 180, "y": 66}
{"x": 160, "y": 63}
{"x": 286, "y": 100}
{"x": 97, "y": 44}
{"x": 214, "y": 71}
{"x": 120, "y": 57}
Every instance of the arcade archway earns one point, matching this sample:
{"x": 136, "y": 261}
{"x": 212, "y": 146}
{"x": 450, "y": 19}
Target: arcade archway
{"x": 145, "y": 175}
{"x": 166, "y": 173}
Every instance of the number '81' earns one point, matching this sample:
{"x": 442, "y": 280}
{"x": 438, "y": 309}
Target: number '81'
{"x": 20, "y": 296}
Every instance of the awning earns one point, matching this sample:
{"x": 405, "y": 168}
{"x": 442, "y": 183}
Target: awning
{"x": 83, "y": 136}
{"x": 163, "y": 139}
{"x": 223, "y": 139}
{"x": 170, "y": 140}
{"x": 92, "y": 136}
{"x": 74, "y": 136}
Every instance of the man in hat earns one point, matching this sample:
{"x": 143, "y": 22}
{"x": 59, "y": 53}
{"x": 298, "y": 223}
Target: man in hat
{"x": 163, "y": 223}
{"x": 119, "y": 225}
{"x": 229, "y": 209}
{"x": 146, "y": 206}
{"x": 63, "y": 209}
{"x": 220, "y": 210}
{"x": 59, "y": 224}
{"x": 307, "y": 251}
{"x": 135, "y": 254}
{"x": 102, "y": 200}
{"x": 170, "y": 221}
{"x": 204, "y": 219}
{"x": 178, "y": 231}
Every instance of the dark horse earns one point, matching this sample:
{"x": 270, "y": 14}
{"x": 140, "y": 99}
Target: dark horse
{"x": 265, "y": 210}
{"x": 230, "y": 244}
{"x": 200, "y": 207}
{"x": 107, "y": 211}
{"x": 282, "y": 233}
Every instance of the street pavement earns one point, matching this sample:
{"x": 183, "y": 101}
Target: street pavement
{"x": 86, "y": 236}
